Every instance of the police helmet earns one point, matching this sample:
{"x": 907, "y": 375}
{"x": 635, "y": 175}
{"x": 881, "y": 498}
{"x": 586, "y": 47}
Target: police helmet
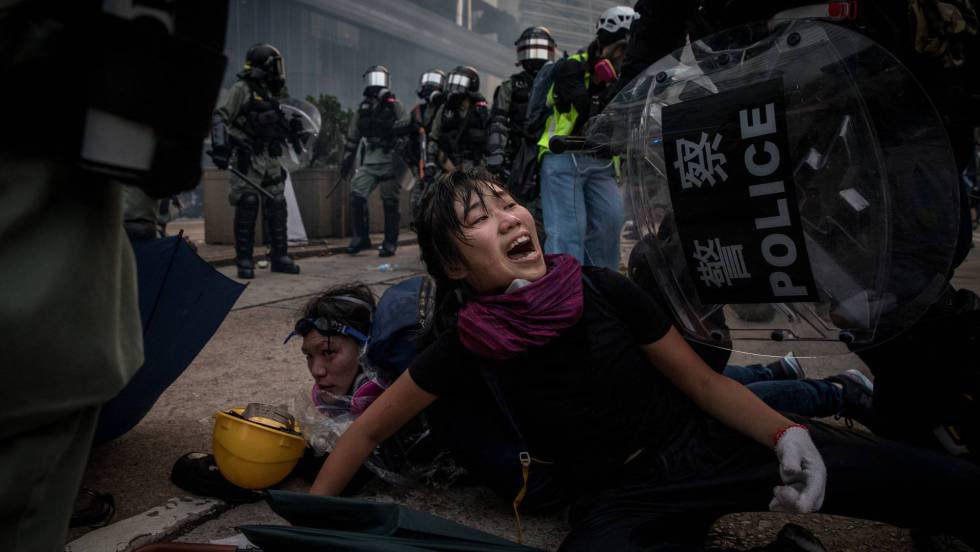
{"x": 535, "y": 47}
{"x": 431, "y": 81}
{"x": 377, "y": 75}
{"x": 463, "y": 79}
{"x": 263, "y": 62}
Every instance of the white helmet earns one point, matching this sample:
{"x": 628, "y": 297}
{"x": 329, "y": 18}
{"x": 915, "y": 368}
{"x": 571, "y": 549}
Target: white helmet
{"x": 616, "y": 19}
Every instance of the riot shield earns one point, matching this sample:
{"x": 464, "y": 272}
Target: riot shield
{"x": 793, "y": 183}
{"x": 303, "y": 132}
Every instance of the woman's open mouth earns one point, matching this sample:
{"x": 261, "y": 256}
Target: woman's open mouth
{"x": 522, "y": 249}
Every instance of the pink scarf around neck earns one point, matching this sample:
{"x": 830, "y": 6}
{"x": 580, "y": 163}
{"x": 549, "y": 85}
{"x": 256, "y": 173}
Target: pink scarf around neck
{"x": 501, "y": 326}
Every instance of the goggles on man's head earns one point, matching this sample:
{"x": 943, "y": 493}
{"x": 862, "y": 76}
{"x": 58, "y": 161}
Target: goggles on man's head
{"x": 326, "y": 327}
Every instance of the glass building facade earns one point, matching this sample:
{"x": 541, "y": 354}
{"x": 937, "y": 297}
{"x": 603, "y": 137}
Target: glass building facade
{"x": 571, "y": 22}
{"x": 327, "y": 45}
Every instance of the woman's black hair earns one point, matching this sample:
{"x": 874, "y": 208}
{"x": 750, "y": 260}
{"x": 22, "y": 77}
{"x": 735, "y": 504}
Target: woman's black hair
{"x": 352, "y": 313}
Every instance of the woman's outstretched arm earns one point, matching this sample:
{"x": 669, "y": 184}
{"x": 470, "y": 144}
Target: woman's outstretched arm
{"x": 801, "y": 467}
{"x": 394, "y": 408}
{"x": 721, "y": 397}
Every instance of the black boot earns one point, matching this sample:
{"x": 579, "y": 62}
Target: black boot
{"x": 246, "y": 212}
{"x": 279, "y": 259}
{"x": 392, "y": 219}
{"x": 359, "y": 225}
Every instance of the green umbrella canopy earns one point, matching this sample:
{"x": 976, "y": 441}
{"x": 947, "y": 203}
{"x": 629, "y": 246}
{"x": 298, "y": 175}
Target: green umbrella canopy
{"x": 330, "y": 523}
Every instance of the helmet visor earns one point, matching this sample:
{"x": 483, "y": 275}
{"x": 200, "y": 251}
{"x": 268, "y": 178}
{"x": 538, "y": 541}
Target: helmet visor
{"x": 535, "y": 48}
{"x": 432, "y": 79}
{"x": 459, "y": 81}
{"x": 376, "y": 78}
{"x": 278, "y": 68}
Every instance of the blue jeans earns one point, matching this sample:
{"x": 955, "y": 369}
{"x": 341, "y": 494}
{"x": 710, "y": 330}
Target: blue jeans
{"x": 582, "y": 208}
{"x": 805, "y": 397}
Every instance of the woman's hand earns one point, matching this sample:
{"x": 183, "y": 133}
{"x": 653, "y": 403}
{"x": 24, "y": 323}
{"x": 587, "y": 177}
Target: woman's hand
{"x": 802, "y": 470}
{"x": 800, "y": 466}
{"x": 386, "y": 415}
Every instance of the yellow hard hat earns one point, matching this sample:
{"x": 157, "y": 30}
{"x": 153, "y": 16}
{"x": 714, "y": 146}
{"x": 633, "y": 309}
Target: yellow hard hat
{"x": 257, "y": 446}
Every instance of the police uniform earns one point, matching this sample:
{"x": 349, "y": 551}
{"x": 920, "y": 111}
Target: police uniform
{"x": 252, "y": 118}
{"x": 144, "y": 217}
{"x": 511, "y": 147}
{"x": 506, "y": 135}
{"x": 259, "y": 134}
{"x": 459, "y": 135}
{"x": 373, "y": 124}
{"x": 423, "y": 116}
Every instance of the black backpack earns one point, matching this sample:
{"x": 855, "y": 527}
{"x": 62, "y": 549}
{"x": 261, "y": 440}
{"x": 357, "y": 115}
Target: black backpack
{"x": 402, "y": 313}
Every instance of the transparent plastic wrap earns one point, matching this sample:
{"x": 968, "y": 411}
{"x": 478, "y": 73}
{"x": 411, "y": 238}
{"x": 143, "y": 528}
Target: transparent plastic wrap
{"x": 795, "y": 184}
{"x": 408, "y": 458}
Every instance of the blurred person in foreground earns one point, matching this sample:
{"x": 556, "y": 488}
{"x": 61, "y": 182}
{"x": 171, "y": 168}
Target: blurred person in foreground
{"x": 69, "y": 317}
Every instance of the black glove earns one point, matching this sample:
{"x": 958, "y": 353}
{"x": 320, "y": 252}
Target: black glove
{"x": 436, "y": 99}
{"x": 275, "y": 149}
{"x": 495, "y": 163}
{"x": 243, "y": 159}
{"x": 298, "y": 136}
{"x": 346, "y": 165}
{"x": 220, "y": 157}
{"x": 300, "y": 140}
{"x": 430, "y": 172}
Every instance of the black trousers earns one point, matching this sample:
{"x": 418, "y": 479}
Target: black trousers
{"x": 670, "y": 500}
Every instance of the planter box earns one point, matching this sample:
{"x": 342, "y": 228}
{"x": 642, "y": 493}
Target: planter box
{"x": 323, "y": 217}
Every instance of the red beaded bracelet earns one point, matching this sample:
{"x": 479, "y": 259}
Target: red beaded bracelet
{"x": 779, "y": 434}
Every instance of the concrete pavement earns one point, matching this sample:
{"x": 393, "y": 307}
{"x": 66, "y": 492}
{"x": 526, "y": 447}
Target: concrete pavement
{"x": 247, "y": 362}
{"x": 224, "y": 254}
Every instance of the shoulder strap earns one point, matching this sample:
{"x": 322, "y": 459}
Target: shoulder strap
{"x": 494, "y": 384}
{"x": 523, "y": 454}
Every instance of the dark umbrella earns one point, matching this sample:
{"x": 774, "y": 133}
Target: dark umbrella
{"x": 329, "y": 523}
{"x": 183, "y": 300}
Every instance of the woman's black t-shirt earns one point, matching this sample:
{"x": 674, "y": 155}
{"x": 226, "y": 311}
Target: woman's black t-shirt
{"x": 588, "y": 399}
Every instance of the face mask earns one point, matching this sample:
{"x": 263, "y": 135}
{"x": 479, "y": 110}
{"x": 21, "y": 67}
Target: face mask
{"x": 603, "y": 71}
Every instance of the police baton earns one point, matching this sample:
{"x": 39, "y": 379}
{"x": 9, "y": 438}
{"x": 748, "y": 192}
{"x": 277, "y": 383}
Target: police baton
{"x": 340, "y": 180}
{"x": 251, "y": 183}
{"x": 578, "y": 144}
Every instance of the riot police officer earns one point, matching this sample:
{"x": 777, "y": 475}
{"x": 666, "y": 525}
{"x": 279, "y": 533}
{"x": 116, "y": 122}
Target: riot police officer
{"x": 535, "y": 47}
{"x": 373, "y": 122}
{"x": 459, "y": 131}
{"x": 249, "y": 132}
{"x": 413, "y": 132}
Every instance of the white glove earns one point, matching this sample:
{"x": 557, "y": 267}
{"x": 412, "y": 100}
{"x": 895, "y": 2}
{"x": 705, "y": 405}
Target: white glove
{"x": 803, "y": 472}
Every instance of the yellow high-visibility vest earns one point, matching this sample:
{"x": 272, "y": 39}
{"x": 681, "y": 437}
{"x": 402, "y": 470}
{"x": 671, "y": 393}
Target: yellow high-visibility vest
{"x": 560, "y": 124}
